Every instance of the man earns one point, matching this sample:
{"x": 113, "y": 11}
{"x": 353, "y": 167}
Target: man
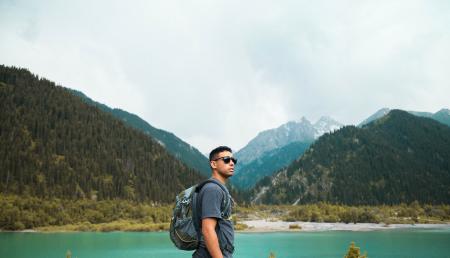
{"x": 217, "y": 233}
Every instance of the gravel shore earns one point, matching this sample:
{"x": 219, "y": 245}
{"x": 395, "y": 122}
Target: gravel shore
{"x": 283, "y": 226}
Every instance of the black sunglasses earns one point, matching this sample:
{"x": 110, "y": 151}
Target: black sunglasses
{"x": 227, "y": 159}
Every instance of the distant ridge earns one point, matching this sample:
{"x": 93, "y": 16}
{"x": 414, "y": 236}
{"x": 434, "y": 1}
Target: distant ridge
{"x": 442, "y": 116}
{"x": 292, "y": 131}
{"x": 377, "y": 115}
{"x": 267, "y": 164}
{"x": 174, "y": 145}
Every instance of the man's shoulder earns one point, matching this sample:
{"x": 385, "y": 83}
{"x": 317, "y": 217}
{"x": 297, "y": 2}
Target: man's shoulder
{"x": 211, "y": 186}
{"x": 214, "y": 188}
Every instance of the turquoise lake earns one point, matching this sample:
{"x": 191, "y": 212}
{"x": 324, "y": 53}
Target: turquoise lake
{"x": 427, "y": 243}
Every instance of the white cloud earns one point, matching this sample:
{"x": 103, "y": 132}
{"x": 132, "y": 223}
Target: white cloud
{"x": 218, "y": 72}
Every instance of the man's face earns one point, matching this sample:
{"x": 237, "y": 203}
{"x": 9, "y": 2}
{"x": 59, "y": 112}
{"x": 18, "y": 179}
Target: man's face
{"x": 224, "y": 169}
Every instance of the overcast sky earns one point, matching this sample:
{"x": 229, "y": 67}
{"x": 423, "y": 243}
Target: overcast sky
{"x": 218, "y": 72}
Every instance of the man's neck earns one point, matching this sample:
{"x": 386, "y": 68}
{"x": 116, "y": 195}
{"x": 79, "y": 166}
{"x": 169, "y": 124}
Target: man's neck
{"x": 219, "y": 178}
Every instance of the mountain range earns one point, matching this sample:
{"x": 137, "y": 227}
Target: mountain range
{"x": 398, "y": 158}
{"x": 268, "y": 163}
{"x": 276, "y": 148}
{"x": 293, "y": 131}
{"x": 57, "y": 142}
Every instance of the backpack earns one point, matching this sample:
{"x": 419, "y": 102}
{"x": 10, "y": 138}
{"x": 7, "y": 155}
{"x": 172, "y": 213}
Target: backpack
{"x": 185, "y": 223}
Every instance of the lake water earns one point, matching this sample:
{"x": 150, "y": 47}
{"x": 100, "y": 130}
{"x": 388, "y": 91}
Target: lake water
{"x": 427, "y": 243}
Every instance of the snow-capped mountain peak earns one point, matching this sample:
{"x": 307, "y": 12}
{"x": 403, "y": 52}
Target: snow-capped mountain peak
{"x": 326, "y": 124}
{"x": 293, "y": 131}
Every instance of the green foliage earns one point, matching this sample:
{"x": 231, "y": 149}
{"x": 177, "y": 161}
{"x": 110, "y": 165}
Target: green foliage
{"x": 325, "y": 212}
{"x": 53, "y": 144}
{"x": 354, "y": 252}
{"x": 403, "y": 213}
{"x": 20, "y": 213}
{"x": 27, "y": 212}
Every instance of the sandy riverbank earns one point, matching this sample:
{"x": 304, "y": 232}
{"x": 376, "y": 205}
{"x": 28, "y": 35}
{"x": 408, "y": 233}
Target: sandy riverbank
{"x": 283, "y": 226}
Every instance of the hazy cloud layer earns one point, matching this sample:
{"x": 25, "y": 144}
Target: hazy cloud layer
{"x": 218, "y": 72}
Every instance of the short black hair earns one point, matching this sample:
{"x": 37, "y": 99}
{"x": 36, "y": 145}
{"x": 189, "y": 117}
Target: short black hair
{"x": 218, "y": 150}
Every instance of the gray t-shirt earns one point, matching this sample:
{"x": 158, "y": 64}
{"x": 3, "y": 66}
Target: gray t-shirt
{"x": 210, "y": 199}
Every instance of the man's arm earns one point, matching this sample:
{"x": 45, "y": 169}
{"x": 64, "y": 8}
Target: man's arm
{"x": 210, "y": 236}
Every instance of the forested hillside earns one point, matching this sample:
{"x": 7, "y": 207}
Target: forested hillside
{"x": 52, "y": 144}
{"x": 399, "y": 158}
{"x": 177, "y": 147}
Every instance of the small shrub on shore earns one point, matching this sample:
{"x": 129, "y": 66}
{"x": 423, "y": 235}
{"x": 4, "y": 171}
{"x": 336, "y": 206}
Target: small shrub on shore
{"x": 240, "y": 226}
{"x": 295, "y": 226}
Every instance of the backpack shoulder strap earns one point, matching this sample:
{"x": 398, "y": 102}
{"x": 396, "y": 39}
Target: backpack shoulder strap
{"x": 195, "y": 216}
{"x": 209, "y": 180}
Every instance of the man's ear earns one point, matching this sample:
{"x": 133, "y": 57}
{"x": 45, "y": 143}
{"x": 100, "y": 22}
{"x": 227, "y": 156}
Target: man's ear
{"x": 213, "y": 164}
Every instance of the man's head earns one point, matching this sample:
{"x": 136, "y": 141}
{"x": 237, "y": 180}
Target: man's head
{"x": 222, "y": 162}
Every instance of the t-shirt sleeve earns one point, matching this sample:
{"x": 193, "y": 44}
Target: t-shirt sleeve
{"x": 211, "y": 201}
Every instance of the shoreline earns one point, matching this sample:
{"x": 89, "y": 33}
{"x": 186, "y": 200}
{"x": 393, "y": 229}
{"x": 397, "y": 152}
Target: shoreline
{"x": 266, "y": 226}
{"x": 270, "y": 226}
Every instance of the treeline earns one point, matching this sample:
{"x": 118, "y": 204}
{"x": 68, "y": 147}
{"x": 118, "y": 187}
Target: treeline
{"x": 53, "y": 144}
{"x": 26, "y": 212}
{"x": 324, "y": 212}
